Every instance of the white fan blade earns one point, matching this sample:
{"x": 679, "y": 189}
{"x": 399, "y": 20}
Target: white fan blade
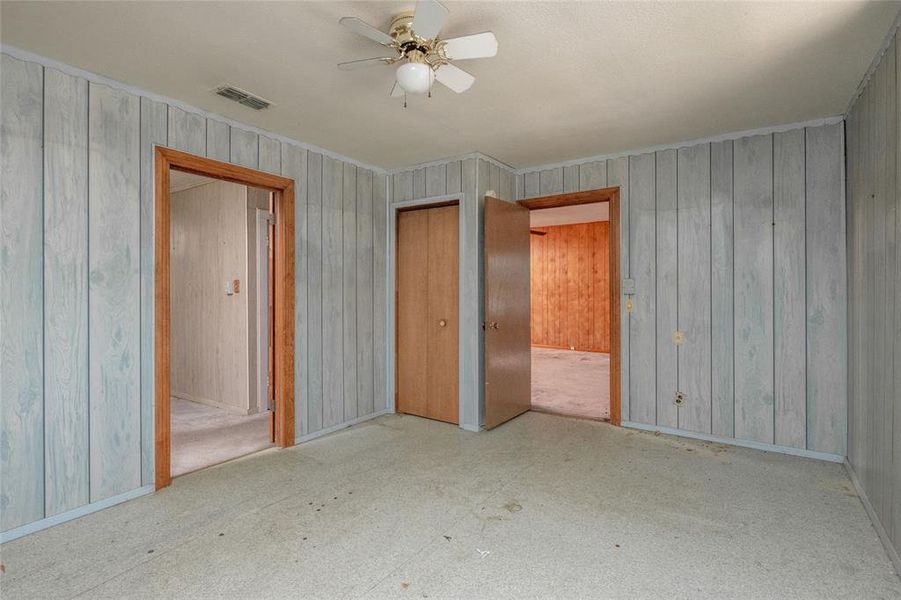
{"x": 366, "y": 30}
{"x": 454, "y": 77}
{"x": 428, "y": 19}
{"x": 366, "y": 62}
{"x": 396, "y": 91}
{"x": 478, "y": 45}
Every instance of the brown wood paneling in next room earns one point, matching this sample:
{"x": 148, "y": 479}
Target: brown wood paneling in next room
{"x": 570, "y": 287}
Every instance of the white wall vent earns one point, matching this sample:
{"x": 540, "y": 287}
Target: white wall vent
{"x": 242, "y": 97}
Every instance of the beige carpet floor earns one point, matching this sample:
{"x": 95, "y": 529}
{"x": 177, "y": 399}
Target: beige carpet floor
{"x": 566, "y": 382}
{"x": 203, "y": 435}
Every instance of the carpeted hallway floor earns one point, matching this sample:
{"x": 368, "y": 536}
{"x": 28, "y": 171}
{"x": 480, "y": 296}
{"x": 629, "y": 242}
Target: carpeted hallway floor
{"x": 566, "y": 382}
{"x": 203, "y": 435}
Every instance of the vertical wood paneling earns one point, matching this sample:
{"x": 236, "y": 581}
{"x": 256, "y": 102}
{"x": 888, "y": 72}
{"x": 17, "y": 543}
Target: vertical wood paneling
{"x": 643, "y": 319}
{"x": 436, "y": 180}
{"x": 403, "y": 186}
{"x": 887, "y": 192}
{"x": 419, "y": 183}
{"x": 315, "y": 264}
{"x": 365, "y": 317}
{"x": 789, "y": 289}
{"x": 494, "y": 178}
{"x": 826, "y": 285}
{"x": 187, "y": 131}
{"x": 332, "y": 292}
{"x": 721, "y": 263}
{"x": 349, "y": 290}
{"x": 874, "y": 269}
{"x": 550, "y": 181}
{"x": 244, "y": 148}
{"x": 270, "y": 155}
{"x": 618, "y": 175}
{"x": 379, "y": 293}
{"x": 896, "y": 407}
{"x": 154, "y": 127}
{"x": 470, "y": 271}
{"x": 571, "y": 178}
{"x": 694, "y": 286}
{"x": 21, "y": 295}
{"x": 667, "y": 289}
{"x": 294, "y": 165}
{"x": 114, "y": 313}
{"x": 82, "y": 252}
{"x": 895, "y": 129}
{"x": 530, "y": 185}
{"x": 753, "y": 176}
{"x": 217, "y": 139}
{"x": 593, "y": 175}
{"x": 454, "y": 177}
{"x": 890, "y": 116}
{"x": 564, "y": 272}
{"x": 65, "y": 292}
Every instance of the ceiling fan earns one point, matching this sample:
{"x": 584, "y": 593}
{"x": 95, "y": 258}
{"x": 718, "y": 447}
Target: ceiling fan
{"x": 424, "y": 57}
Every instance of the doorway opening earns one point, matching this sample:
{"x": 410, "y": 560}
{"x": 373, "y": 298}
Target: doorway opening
{"x": 220, "y": 259}
{"x": 224, "y": 321}
{"x": 574, "y": 275}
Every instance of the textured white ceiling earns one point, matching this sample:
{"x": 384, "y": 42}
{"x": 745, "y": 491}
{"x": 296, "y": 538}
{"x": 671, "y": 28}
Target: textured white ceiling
{"x": 571, "y": 79}
{"x": 569, "y": 215}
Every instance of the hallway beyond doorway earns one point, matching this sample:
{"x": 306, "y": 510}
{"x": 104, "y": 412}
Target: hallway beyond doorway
{"x": 567, "y": 382}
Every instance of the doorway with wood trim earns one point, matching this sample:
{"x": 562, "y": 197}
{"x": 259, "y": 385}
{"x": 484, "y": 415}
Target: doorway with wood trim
{"x": 212, "y": 216}
{"x": 557, "y": 351}
{"x": 427, "y": 321}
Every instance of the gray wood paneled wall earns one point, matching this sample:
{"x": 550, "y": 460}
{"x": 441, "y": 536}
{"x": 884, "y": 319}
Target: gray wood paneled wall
{"x": 76, "y": 416}
{"x": 874, "y": 267}
{"x": 740, "y": 245}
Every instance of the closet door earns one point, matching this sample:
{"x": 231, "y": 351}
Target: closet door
{"x": 443, "y": 324}
{"x": 428, "y": 313}
{"x": 412, "y": 312}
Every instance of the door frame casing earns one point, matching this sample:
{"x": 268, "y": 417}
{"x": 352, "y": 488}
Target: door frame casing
{"x": 468, "y": 290}
{"x": 611, "y": 196}
{"x": 166, "y": 159}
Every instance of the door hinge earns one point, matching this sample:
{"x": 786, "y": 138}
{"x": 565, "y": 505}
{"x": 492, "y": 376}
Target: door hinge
{"x": 270, "y": 218}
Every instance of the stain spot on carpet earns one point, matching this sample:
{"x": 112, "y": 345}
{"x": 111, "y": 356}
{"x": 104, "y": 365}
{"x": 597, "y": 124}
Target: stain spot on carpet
{"x": 513, "y": 506}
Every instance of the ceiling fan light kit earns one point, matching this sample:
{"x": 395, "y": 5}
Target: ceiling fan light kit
{"x": 424, "y": 56}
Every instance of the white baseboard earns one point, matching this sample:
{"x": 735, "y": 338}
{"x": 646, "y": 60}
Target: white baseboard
{"x": 75, "y": 513}
{"x": 874, "y": 519}
{"x": 340, "y": 426}
{"x": 736, "y": 442}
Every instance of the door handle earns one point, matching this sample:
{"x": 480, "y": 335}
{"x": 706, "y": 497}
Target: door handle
{"x": 442, "y": 323}
{"x": 493, "y": 325}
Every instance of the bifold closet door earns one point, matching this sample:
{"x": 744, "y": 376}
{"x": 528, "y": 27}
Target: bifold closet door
{"x": 427, "y": 313}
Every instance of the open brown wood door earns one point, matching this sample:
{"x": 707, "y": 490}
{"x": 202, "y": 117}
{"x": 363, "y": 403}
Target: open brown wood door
{"x": 508, "y": 358}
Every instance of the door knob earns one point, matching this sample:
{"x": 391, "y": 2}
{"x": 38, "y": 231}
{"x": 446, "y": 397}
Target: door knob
{"x": 442, "y": 323}
{"x": 493, "y": 325}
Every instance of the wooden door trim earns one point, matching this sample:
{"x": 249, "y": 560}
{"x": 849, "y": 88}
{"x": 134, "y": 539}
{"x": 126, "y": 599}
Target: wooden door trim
{"x": 611, "y": 196}
{"x": 283, "y": 276}
{"x": 571, "y": 199}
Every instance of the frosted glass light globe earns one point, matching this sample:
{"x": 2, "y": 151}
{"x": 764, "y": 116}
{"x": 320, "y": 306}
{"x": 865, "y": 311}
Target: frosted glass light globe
{"x": 415, "y": 78}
